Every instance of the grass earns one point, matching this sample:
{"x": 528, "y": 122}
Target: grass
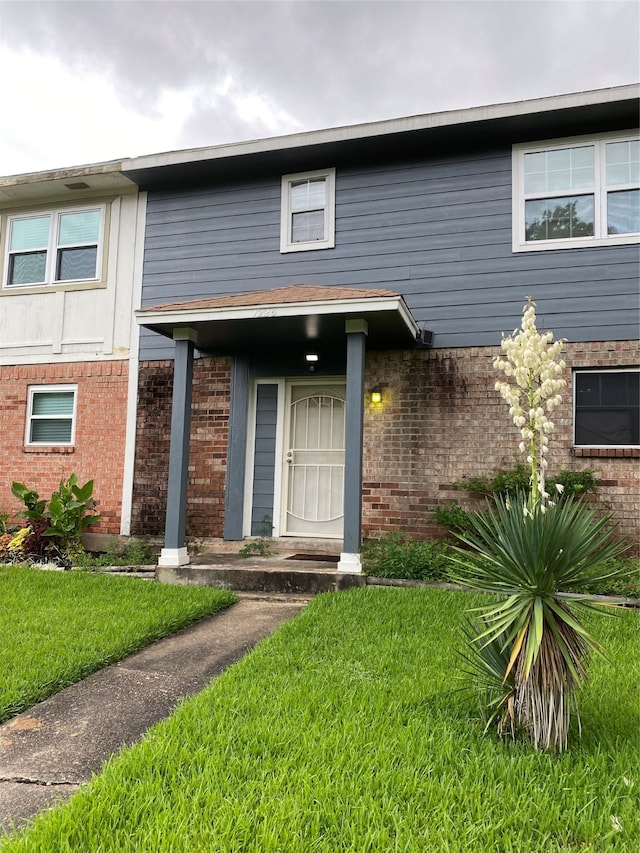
{"x": 346, "y": 731}
{"x": 58, "y": 627}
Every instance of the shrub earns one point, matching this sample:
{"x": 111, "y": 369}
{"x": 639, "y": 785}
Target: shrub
{"x": 396, "y": 555}
{"x": 57, "y": 525}
{"x": 510, "y": 481}
{"x": 452, "y": 516}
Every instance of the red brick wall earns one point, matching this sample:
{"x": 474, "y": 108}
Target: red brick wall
{"x": 98, "y": 453}
{"x": 441, "y": 420}
{"x": 208, "y": 446}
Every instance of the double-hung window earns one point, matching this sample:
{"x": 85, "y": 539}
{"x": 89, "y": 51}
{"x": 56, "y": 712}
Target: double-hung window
{"x": 582, "y": 192}
{"x": 54, "y": 247}
{"x": 606, "y": 408}
{"x": 51, "y": 415}
{"x": 308, "y": 211}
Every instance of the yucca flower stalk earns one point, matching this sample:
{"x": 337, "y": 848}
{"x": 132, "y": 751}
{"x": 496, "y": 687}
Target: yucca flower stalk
{"x": 529, "y": 651}
{"x": 534, "y": 365}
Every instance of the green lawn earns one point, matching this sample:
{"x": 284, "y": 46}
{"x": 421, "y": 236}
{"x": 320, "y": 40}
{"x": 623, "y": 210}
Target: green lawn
{"x": 345, "y": 731}
{"x": 57, "y": 627}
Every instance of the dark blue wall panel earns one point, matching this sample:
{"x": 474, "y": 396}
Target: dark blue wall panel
{"x": 264, "y": 462}
{"x": 437, "y": 231}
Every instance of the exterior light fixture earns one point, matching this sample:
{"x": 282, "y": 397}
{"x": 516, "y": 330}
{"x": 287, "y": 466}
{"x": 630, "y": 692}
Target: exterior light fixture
{"x": 376, "y": 394}
{"x": 312, "y": 359}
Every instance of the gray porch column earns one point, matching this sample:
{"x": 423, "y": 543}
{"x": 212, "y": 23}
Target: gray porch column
{"x": 356, "y": 337}
{"x": 174, "y": 552}
{"x": 236, "y": 455}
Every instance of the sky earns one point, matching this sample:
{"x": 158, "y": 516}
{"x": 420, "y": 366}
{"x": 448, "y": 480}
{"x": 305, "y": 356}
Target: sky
{"x": 86, "y": 81}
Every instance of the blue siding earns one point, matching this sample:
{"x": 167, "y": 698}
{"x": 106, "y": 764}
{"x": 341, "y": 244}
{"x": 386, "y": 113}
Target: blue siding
{"x": 264, "y": 459}
{"x": 438, "y": 232}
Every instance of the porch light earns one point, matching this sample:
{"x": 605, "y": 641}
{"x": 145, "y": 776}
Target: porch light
{"x": 376, "y": 394}
{"x": 312, "y": 359}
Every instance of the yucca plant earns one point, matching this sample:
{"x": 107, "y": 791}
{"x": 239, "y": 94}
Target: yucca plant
{"x": 530, "y": 649}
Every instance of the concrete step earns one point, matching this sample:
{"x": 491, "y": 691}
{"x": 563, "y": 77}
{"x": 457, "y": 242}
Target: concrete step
{"x": 306, "y": 577}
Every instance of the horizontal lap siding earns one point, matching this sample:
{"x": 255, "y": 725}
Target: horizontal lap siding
{"x": 438, "y": 232}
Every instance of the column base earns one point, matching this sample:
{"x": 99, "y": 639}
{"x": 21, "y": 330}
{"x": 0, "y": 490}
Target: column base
{"x": 349, "y": 563}
{"x": 173, "y": 557}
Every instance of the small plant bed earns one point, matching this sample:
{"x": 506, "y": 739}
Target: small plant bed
{"x": 58, "y": 627}
{"x": 134, "y": 552}
{"x": 347, "y": 731}
{"x": 396, "y": 555}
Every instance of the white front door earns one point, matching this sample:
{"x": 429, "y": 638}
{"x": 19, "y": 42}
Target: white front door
{"x": 313, "y": 475}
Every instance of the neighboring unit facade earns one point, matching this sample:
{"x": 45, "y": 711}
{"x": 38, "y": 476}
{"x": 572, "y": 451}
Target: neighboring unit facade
{"x": 71, "y": 244}
{"x": 286, "y": 279}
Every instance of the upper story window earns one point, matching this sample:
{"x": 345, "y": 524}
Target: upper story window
{"x": 582, "y": 192}
{"x": 54, "y": 247}
{"x": 606, "y": 408}
{"x": 51, "y": 415}
{"x": 308, "y": 211}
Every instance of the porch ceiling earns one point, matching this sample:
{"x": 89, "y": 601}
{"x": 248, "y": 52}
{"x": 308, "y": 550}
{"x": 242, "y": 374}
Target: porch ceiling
{"x": 297, "y": 315}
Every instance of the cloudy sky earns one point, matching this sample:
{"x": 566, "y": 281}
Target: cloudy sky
{"x": 89, "y": 81}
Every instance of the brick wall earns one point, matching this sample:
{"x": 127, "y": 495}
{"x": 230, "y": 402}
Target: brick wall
{"x": 208, "y": 446}
{"x": 441, "y": 420}
{"x": 98, "y": 453}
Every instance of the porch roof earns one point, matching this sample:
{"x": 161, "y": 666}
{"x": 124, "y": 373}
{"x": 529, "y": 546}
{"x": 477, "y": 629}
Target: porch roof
{"x": 301, "y": 314}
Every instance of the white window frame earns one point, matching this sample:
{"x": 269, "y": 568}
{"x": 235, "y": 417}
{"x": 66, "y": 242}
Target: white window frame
{"x": 329, "y": 242}
{"x": 52, "y": 246}
{"x": 581, "y": 371}
{"x": 600, "y": 238}
{"x": 49, "y": 389}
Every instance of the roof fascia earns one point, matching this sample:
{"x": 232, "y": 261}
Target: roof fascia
{"x": 186, "y": 315}
{"x": 371, "y": 130}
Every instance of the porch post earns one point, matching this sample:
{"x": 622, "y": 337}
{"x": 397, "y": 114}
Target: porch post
{"x": 356, "y": 337}
{"x": 236, "y": 454}
{"x": 174, "y": 552}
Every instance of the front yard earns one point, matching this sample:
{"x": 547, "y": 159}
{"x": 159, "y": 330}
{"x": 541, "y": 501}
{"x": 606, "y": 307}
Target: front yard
{"x": 58, "y": 627}
{"x": 347, "y": 731}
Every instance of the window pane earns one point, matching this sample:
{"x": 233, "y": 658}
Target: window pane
{"x": 623, "y": 162}
{"x": 79, "y": 228}
{"x": 563, "y": 169}
{"x": 307, "y": 226}
{"x": 559, "y": 218}
{"x": 27, "y": 269}
{"x": 602, "y": 427}
{"x": 52, "y": 403}
{"x": 307, "y": 195}
{"x": 74, "y": 264}
{"x": 607, "y": 408}
{"x": 51, "y": 431}
{"x": 623, "y": 212}
{"x": 29, "y": 233}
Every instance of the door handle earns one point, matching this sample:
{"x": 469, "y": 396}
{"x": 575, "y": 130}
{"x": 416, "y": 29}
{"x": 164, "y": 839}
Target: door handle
{"x": 289, "y": 457}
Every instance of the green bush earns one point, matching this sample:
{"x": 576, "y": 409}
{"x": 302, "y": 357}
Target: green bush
{"x": 452, "y": 516}
{"x": 57, "y": 525}
{"x": 396, "y": 555}
{"x": 625, "y": 580}
{"x": 510, "y": 481}
{"x": 507, "y": 484}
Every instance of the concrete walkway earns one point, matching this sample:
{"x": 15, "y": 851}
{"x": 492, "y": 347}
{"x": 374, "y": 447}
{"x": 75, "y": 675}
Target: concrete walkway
{"x": 50, "y": 750}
